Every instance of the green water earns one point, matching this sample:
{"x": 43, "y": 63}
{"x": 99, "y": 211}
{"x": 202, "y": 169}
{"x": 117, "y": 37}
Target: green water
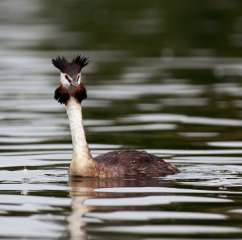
{"x": 164, "y": 76}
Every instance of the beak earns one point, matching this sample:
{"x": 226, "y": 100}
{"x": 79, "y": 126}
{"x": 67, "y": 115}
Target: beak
{"x": 74, "y": 83}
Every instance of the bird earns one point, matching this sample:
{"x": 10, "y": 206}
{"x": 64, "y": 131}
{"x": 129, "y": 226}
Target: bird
{"x": 126, "y": 163}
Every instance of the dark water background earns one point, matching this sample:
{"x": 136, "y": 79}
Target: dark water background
{"x": 165, "y": 76}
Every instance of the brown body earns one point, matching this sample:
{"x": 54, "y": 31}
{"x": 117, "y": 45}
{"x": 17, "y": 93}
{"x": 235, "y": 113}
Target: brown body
{"x": 129, "y": 164}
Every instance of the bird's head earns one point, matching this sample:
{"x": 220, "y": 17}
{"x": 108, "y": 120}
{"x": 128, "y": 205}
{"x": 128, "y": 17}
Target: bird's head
{"x": 70, "y": 78}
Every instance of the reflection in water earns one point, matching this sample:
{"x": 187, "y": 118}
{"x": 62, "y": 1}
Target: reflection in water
{"x": 121, "y": 206}
{"x": 84, "y": 190}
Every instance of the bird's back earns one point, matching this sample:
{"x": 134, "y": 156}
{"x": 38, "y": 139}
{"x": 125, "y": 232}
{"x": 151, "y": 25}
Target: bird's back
{"x": 130, "y": 163}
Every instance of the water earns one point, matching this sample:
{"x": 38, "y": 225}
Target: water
{"x": 163, "y": 77}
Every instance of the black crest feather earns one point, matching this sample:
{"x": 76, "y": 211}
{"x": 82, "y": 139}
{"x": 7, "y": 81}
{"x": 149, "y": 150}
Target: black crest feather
{"x": 80, "y": 60}
{"x": 60, "y": 63}
{"x": 75, "y": 65}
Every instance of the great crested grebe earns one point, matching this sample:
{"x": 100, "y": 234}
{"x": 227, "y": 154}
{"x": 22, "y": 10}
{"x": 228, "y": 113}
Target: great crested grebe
{"x": 123, "y": 163}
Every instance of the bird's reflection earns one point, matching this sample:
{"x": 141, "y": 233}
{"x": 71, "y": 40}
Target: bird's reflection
{"x": 82, "y": 189}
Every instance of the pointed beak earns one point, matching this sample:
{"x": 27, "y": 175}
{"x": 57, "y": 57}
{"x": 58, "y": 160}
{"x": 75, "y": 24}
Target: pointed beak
{"x": 74, "y": 83}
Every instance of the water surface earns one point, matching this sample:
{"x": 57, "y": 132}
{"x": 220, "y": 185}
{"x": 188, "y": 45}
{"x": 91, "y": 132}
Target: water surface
{"x": 163, "y": 77}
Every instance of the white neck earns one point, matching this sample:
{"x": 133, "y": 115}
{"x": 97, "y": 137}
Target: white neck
{"x": 81, "y": 157}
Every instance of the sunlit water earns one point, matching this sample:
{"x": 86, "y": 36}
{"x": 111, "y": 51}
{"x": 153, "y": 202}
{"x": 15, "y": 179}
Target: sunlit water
{"x": 187, "y": 110}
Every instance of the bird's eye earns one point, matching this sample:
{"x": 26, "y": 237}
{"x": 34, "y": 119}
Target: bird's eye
{"x": 67, "y": 78}
{"x": 78, "y": 76}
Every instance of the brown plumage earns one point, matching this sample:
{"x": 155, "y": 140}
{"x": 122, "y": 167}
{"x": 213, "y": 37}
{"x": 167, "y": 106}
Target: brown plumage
{"x": 62, "y": 95}
{"x": 132, "y": 163}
